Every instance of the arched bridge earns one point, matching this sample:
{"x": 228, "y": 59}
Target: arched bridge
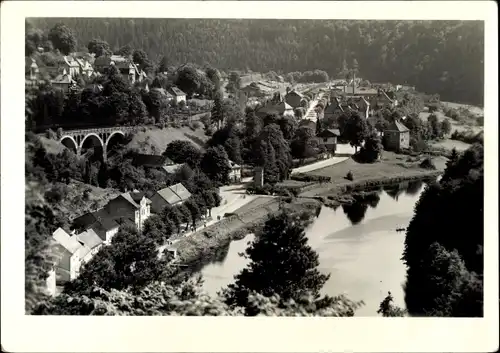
{"x": 77, "y": 140}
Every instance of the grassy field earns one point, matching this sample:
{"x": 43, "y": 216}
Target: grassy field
{"x": 155, "y": 140}
{"x": 390, "y": 166}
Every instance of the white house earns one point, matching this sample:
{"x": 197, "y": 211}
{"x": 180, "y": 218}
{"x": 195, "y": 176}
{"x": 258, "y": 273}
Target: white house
{"x": 70, "y": 253}
{"x": 178, "y": 95}
{"x": 91, "y": 240}
{"x": 235, "y": 174}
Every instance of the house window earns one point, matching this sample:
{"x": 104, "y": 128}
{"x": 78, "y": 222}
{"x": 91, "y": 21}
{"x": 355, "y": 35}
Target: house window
{"x": 325, "y": 139}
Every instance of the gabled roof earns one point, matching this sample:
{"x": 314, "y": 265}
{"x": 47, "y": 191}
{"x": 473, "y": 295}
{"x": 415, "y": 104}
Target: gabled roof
{"x": 68, "y": 60}
{"x": 130, "y": 199}
{"x": 397, "y": 126}
{"x": 162, "y": 91}
{"x": 64, "y": 78}
{"x": 174, "y": 194}
{"x": 170, "y": 169}
{"x": 177, "y": 92}
{"x": 99, "y": 220}
{"x": 89, "y": 238}
{"x": 329, "y": 133}
{"x": 151, "y": 160}
{"x": 168, "y": 195}
{"x": 234, "y": 165}
{"x": 181, "y": 191}
{"x": 65, "y": 240}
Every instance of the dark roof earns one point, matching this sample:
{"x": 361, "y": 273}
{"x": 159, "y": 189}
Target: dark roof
{"x": 307, "y": 123}
{"x": 151, "y": 160}
{"x": 397, "y": 126}
{"x": 329, "y": 133}
{"x": 99, "y": 219}
{"x": 177, "y": 92}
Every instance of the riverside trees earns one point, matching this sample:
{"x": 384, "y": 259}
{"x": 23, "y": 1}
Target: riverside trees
{"x": 444, "y": 255}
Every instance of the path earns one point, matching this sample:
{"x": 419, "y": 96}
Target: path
{"x": 318, "y": 165}
{"x": 311, "y": 113}
{"x": 341, "y": 148}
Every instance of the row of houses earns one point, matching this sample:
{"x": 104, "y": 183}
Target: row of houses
{"x": 90, "y": 232}
{"x": 68, "y": 67}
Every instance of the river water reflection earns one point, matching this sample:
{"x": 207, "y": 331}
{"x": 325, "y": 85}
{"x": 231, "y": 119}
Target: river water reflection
{"x": 357, "y": 244}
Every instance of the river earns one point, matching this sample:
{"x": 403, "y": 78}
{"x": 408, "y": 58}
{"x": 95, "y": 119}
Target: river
{"x": 358, "y": 245}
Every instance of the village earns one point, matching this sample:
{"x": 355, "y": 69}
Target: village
{"x": 150, "y": 171}
{"x": 308, "y": 104}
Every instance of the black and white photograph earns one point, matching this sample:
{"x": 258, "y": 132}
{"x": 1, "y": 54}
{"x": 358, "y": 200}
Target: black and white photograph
{"x": 253, "y": 167}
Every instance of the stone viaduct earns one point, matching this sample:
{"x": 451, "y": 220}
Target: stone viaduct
{"x": 98, "y": 137}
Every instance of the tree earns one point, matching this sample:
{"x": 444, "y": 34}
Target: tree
{"x": 214, "y": 76}
{"x": 444, "y": 254}
{"x": 445, "y": 127}
{"x": 62, "y": 38}
{"x": 189, "y": 80}
{"x": 281, "y": 263}
{"x": 271, "y": 135}
{"x": 371, "y": 150}
{"x": 125, "y": 51}
{"x": 215, "y": 164}
{"x": 181, "y": 151}
{"x": 234, "y": 83}
{"x": 186, "y": 299}
{"x": 141, "y": 58}
{"x": 130, "y": 261}
{"x": 304, "y": 143}
{"x": 233, "y": 149}
{"x": 388, "y": 309}
{"x": 288, "y": 125}
{"x": 163, "y": 64}
{"x": 99, "y": 47}
{"x": 434, "y": 126}
{"x": 355, "y": 130}
{"x": 217, "y": 114}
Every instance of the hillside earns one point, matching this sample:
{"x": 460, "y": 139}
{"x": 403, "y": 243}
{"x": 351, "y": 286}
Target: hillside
{"x": 443, "y": 57}
{"x": 154, "y": 140}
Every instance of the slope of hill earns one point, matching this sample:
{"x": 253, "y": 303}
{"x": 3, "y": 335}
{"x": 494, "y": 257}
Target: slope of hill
{"x": 427, "y": 54}
{"x": 155, "y": 140}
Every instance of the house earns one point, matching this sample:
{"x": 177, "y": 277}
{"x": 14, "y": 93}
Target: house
{"x": 31, "y": 69}
{"x": 235, "y": 174}
{"x": 71, "y": 66}
{"x": 383, "y": 98}
{"x": 134, "y": 207}
{"x": 360, "y": 104}
{"x": 178, "y": 95}
{"x": 64, "y": 81}
{"x": 69, "y": 253}
{"x": 170, "y": 196}
{"x": 92, "y": 241}
{"x": 396, "y": 136}
{"x": 294, "y": 98}
{"x": 280, "y": 108}
{"x": 151, "y": 161}
{"x": 328, "y": 138}
{"x": 86, "y": 68}
{"x": 158, "y": 94}
{"x": 124, "y": 65}
{"x": 100, "y": 222}
{"x": 171, "y": 169}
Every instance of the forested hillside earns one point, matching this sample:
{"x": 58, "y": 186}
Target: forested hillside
{"x": 443, "y": 57}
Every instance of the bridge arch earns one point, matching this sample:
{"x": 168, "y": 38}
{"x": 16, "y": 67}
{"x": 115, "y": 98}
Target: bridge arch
{"x": 93, "y": 136}
{"x": 70, "y": 143}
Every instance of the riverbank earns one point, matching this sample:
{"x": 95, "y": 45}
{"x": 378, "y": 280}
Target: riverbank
{"x": 211, "y": 243}
{"x": 392, "y": 168}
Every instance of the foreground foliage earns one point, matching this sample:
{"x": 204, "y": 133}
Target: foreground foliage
{"x": 444, "y": 242}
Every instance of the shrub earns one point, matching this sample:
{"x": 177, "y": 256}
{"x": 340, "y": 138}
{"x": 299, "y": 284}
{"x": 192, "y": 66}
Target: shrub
{"x": 59, "y": 133}
{"x": 427, "y": 164}
{"x": 433, "y": 107}
{"x": 349, "y": 176}
{"x": 310, "y": 178}
{"x": 176, "y": 124}
{"x": 468, "y": 136}
{"x": 195, "y": 125}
